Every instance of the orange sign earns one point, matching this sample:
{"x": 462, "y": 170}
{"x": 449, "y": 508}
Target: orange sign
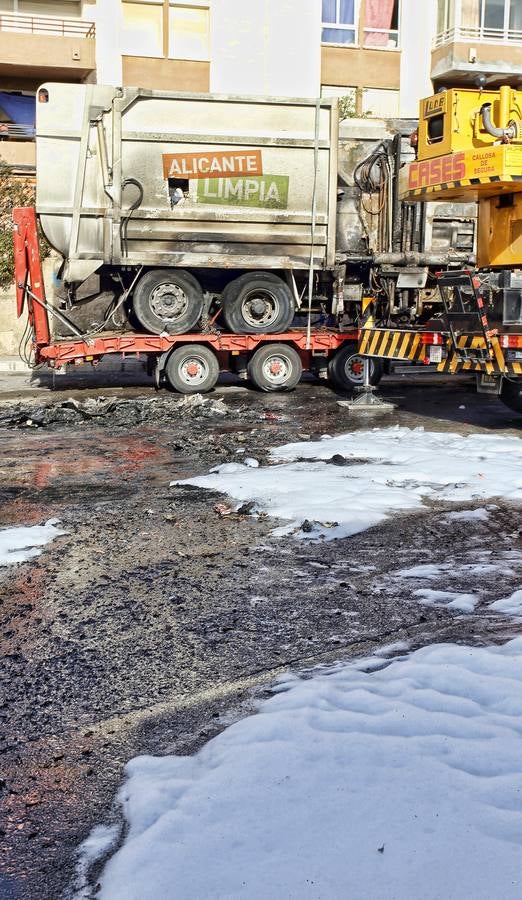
{"x": 437, "y": 171}
{"x": 212, "y": 164}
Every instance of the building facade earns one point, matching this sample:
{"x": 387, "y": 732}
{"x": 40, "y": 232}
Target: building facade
{"x": 383, "y": 54}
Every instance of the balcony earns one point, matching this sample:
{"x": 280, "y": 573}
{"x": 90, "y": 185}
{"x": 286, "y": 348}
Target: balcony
{"x": 41, "y": 48}
{"x": 462, "y": 53}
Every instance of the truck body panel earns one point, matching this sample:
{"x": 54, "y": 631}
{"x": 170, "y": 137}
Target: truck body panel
{"x": 127, "y": 176}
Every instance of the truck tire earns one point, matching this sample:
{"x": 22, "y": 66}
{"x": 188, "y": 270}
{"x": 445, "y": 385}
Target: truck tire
{"x": 257, "y": 303}
{"x": 168, "y": 300}
{"x": 511, "y": 393}
{"x": 191, "y": 369}
{"x": 275, "y": 367}
{"x": 345, "y": 368}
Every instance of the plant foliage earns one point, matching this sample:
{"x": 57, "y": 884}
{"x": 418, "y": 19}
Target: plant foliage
{"x": 348, "y": 109}
{"x": 14, "y": 191}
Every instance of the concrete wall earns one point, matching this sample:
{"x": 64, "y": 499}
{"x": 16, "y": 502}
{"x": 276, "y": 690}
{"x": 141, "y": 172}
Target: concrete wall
{"x": 416, "y": 38}
{"x": 70, "y": 58}
{"x": 12, "y": 328}
{"x": 358, "y": 67}
{"x": 166, "y": 74}
{"x": 266, "y": 47}
{"x": 109, "y": 22}
{"x": 450, "y": 63}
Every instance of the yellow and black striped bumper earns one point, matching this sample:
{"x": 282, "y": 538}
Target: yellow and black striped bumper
{"x": 496, "y": 365}
{"x": 387, "y": 343}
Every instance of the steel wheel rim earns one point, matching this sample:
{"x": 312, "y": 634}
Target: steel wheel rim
{"x": 168, "y": 301}
{"x": 354, "y": 368}
{"x": 260, "y": 307}
{"x": 277, "y": 369}
{"x": 193, "y": 370}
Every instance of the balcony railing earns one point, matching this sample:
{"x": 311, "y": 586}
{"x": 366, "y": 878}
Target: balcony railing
{"x": 478, "y": 35}
{"x": 75, "y": 28}
{"x": 16, "y": 132}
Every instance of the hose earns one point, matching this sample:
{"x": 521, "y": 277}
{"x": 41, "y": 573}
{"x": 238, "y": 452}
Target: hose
{"x": 125, "y": 220}
{"x": 507, "y": 134}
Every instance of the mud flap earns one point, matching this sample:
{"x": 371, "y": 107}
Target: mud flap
{"x": 159, "y": 369}
{"x": 489, "y": 384}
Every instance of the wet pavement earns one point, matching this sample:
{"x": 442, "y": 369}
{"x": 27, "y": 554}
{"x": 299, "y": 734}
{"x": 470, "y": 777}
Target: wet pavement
{"x": 155, "y": 617}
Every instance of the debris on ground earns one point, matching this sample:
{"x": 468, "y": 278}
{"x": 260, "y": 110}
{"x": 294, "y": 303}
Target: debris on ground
{"x": 116, "y": 411}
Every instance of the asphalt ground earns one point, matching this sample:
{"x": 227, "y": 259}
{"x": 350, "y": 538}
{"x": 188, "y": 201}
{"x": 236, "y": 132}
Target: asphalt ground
{"x": 156, "y": 619}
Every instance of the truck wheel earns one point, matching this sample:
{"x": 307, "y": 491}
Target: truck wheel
{"x": 275, "y": 367}
{"x": 168, "y": 300}
{"x": 511, "y": 393}
{"x": 191, "y": 369}
{"x": 345, "y": 369}
{"x": 257, "y": 303}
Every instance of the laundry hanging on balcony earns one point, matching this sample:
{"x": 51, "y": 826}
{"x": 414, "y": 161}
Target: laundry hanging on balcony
{"x": 17, "y": 115}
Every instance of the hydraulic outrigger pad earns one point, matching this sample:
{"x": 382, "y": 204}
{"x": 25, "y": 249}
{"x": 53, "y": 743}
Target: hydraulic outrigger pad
{"x": 365, "y": 399}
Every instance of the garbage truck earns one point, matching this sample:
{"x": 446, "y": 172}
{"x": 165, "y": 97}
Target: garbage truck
{"x": 179, "y": 215}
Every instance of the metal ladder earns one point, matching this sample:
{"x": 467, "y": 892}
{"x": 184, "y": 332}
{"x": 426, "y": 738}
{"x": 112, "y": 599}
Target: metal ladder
{"x": 463, "y": 302}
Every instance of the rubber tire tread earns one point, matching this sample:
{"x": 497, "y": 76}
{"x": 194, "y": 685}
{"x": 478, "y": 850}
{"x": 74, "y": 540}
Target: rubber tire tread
{"x": 255, "y": 372}
{"x": 337, "y": 374}
{"x": 141, "y": 300}
{"x": 176, "y": 358}
{"x": 231, "y": 304}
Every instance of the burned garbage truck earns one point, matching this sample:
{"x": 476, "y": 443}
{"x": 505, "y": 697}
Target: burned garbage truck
{"x": 182, "y": 214}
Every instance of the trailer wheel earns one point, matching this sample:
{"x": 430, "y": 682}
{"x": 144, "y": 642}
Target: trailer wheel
{"x": 257, "y": 303}
{"x": 192, "y": 369}
{"x": 345, "y": 368}
{"x": 275, "y": 367}
{"x": 168, "y": 300}
{"x": 511, "y": 393}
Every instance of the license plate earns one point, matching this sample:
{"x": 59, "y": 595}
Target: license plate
{"x": 435, "y": 354}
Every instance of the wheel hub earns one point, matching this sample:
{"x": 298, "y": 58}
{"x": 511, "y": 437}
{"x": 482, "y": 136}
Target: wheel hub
{"x": 260, "y": 308}
{"x": 355, "y": 369}
{"x": 193, "y": 370}
{"x": 277, "y": 369}
{"x": 168, "y": 301}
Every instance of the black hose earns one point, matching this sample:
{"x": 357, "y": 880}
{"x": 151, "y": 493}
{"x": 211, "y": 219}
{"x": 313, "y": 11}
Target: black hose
{"x": 371, "y": 175}
{"x": 125, "y": 220}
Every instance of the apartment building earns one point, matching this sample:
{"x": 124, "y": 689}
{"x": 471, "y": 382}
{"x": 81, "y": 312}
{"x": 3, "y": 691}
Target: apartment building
{"x": 475, "y": 37}
{"x": 382, "y": 53}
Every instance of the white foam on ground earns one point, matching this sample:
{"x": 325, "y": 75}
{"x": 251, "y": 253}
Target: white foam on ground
{"x": 403, "y": 782}
{"x": 101, "y": 840}
{"x": 402, "y": 468}
{"x": 427, "y": 571}
{"x": 450, "y": 599}
{"x": 510, "y": 606}
{"x": 20, "y": 543}
{"x": 469, "y": 515}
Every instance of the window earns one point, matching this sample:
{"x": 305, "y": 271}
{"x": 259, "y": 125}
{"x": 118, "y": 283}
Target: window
{"x": 62, "y": 8}
{"x": 338, "y": 20}
{"x": 188, "y": 32}
{"x": 381, "y": 103}
{"x": 446, "y": 15}
{"x": 482, "y": 20}
{"x": 143, "y": 28}
{"x": 333, "y": 90}
{"x": 381, "y": 24}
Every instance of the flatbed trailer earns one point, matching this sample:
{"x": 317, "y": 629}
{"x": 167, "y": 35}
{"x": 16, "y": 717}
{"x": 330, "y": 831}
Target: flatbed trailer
{"x": 188, "y": 362}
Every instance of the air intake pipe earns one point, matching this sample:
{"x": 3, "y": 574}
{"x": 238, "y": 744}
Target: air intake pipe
{"x": 506, "y": 134}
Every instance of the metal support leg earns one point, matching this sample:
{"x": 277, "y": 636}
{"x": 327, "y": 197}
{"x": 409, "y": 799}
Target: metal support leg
{"x": 365, "y": 399}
